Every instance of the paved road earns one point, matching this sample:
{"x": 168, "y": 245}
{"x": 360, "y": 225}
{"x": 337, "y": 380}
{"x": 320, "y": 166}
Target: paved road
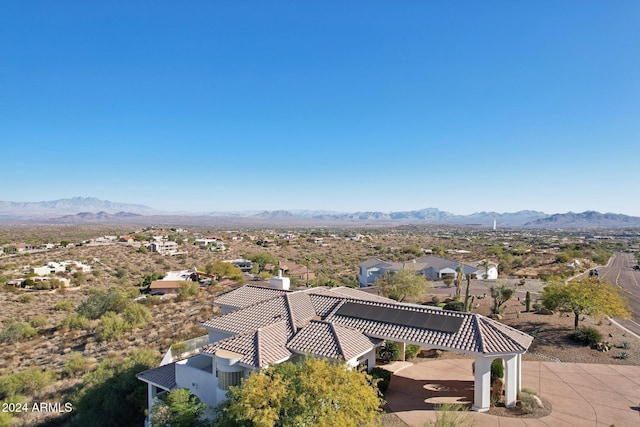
{"x": 619, "y": 272}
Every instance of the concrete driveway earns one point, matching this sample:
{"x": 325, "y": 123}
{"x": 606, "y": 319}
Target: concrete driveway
{"x": 580, "y": 394}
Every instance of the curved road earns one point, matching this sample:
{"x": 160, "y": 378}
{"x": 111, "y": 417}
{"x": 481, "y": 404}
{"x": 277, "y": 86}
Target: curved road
{"x": 620, "y": 273}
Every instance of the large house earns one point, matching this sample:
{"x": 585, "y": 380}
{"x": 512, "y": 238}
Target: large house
{"x": 431, "y": 266}
{"x": 260, "y": 326}
{"x": 163, "y": 247}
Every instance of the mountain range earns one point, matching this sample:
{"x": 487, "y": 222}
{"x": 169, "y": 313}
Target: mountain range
{"x": 93, "y": 210}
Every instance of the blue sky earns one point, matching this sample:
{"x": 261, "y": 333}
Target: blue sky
{"x": 333, "y": 105}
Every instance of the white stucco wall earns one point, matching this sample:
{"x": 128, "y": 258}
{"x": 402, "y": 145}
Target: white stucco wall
{"x": 197, "y": 375}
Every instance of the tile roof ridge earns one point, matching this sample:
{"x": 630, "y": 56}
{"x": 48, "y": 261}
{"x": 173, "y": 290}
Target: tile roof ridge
{"x": 287, "y": 303}
{"x": 257, "y": 342}
{"x": 506, "y": 332}
{"x": 478, "y": 329}
{"x": 332, "y": 326}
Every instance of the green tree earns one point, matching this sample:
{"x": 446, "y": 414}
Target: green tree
{"x": 261, "y": 259}
{"x": 588, "y": 296}
{"x": 179, "y": 408}
{"x": 15, "y": 331}
{"x": 111, "y": 395}
{"x": 99, "y": 302}
{"x": 315, "y": 392}
{"x": 188, "y": 289}
{"x": 136, "y": 315}
{"x": 500, "y": 294}
{"x": 111, "y": 327}
{"x": 485, "y": 264}
{"x": 224, "y": 270}
{"x": 148, "y": 278}
{"x": 74, "y": 321}
{"x": 403, "y": 284}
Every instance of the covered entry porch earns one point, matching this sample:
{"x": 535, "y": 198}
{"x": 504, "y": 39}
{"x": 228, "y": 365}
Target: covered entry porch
{"x": 490, "y": 341}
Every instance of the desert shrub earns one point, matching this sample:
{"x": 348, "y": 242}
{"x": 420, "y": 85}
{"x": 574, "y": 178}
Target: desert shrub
{"x": 5, "y": 417}
{"x": 451, "y": 415}
{"x": 497, "y": 370}
{"x": 178, "y": 348}
{"x": 586, "y": 335}
{"x": 389, "y": 351}
{"x": 16, "y": 331}
{"x": 136, "y": 315}
{"x": 383, "y": 376}
{"x": 77, "y": 364}
{"x": 99, "y": 302}
{"x": 63, "y": 306}
{"x": 27, "y": 382}
{"x": 538, "y": 308}
{"x": 111, "y": 395}
{"x": 528, "y": 403}
{"x": 25, "y": 298}
{"x": 111, "y": 327}
{"x": 435, "y": 300}
{"x": 74, "y": 321}
{"x": 39, "y": 321}
{"x": 188, "y": 289}
{"x": 152, "y": 300}
{"x": 454, "y": 306}
{"x": 411, "y": 351}
{"x": 179, "y": 407}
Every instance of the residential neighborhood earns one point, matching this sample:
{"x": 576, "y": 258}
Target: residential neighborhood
{"x": 214, "y": 318}
{"x": 431, "y": 267}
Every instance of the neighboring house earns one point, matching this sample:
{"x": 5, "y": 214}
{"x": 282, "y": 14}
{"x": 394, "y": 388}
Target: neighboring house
{"x": 172, "y": 281}
{"x": 431, "y": 266}
{"x": 53, "y": 267}
{"x": 298, "y": 271}
{"x": 372, "y": 269}
{"x": 163, "y": 247}
{"x": 264, "y": 326}
{"x": 166, "y": 286}
{"x": 210, "y": 243}
{"x": 181, "y": 275}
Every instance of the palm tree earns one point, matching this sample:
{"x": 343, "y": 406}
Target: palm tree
{"x": 485, "y": 265}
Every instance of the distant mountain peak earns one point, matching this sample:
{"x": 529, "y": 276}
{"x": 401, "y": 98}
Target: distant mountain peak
{"x": 92, "y": 209}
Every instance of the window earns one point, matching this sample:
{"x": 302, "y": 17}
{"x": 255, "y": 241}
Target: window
{"x": 227, "y": 379}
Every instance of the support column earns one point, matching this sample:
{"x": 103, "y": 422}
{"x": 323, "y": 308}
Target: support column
{"x": 482, "y": 385}
{"x": 519, "y": 374}
{"x": 151, "y": 393}
{"x": 371, "y": 360}
{"x": 402, "y": 347}
{"x": 511, "y": 377}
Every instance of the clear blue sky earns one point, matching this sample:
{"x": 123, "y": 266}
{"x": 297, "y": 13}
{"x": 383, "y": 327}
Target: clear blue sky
{"x": 334, "y": 105}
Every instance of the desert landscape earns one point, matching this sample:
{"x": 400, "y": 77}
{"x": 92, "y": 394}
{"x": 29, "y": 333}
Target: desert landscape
{"x": 50, "y": 339}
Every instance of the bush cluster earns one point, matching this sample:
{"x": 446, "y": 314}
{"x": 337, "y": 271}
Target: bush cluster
{"x": 528, "y": 402}
{"x": 389, "y": 351}
{"x": 27, "y": 382}
{"x": 383, "y": 376}
{"x": 587, "y": 335}
{"x": 16, "y": 331}
{"x": 411, "y": 351}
